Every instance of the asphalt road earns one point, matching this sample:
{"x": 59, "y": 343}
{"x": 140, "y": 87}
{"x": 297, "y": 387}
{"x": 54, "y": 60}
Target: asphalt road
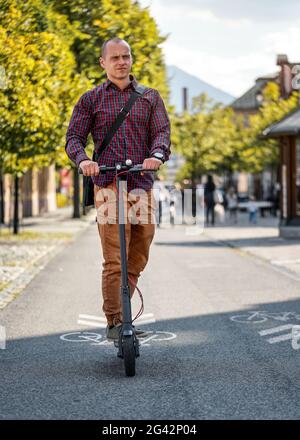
{"x": 199, "y": 363}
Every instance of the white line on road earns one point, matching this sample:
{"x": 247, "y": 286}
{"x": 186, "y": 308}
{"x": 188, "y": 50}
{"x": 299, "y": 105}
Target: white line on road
{"x": 91, "y": 323}
{"x": 146, "y": 315}
{"x": 143, "y": 318}
{"x": 280, "y": 338}
{"x": 278, "y": 329}
{"x": 96, "y": 318}
{"x": 142, "y": 322}
{"x": 103, "y": 324}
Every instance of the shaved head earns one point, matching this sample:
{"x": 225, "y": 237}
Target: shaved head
{"x": 116, "y": 60}
{"x": 113, "y": 40}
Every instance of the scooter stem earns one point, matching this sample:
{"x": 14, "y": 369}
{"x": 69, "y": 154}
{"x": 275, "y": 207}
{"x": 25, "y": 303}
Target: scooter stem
{"x": 125, "y": 290}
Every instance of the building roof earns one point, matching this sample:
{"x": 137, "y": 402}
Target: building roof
{"x": 251, "y": 100}
{"x": 288, "y": 126}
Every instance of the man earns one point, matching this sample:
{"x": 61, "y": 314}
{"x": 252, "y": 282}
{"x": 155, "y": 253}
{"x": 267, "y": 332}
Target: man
{"x": 144, "y": 137}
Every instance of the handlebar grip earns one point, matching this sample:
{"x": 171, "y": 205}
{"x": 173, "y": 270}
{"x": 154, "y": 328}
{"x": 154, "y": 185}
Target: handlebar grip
{"x": 137, "y": 168}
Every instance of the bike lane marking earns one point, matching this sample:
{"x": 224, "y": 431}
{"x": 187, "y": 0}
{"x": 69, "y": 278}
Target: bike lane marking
{"x": 155, "y": 336}
{"x": 272, "y": 330}
{"x": 94, "y": 338}
{"x": 292, "y": 335}
{"x": 81, "y": 337}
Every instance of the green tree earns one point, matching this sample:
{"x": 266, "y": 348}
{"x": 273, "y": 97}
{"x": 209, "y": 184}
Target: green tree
{"x": 100, "y": 20}
{"x": 205, "y": 138}
{"x": 258, "y": 152}
{"x": 41, "y": 84}
{"x": 214, "y": 139}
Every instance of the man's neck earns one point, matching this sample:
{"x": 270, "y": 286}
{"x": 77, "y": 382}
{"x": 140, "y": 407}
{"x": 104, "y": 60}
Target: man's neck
{"x": 122, "y": 83}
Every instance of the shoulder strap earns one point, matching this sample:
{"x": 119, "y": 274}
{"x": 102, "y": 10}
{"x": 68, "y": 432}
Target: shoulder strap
{"x": 139, "y": 91}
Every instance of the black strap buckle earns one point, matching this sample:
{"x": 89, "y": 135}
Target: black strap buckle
{"x": 124, "y": 112}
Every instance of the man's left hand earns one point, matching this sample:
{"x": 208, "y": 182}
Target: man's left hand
{"x": 151, "y": 164}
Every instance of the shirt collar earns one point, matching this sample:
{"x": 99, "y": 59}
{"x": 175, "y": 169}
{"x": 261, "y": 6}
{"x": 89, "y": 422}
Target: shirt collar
{"x": 132, "y": 85}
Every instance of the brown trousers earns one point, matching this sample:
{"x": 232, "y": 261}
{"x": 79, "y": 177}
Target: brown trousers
{"x": 139, "y": 232}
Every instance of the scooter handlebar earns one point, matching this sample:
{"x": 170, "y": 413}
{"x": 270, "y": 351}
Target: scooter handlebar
{"x": 134, "y": 169}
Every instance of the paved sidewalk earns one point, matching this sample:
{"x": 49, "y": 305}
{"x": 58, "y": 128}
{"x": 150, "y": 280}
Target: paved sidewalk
{"x": 40, "y": 239}
{"x": 261, "y": 240}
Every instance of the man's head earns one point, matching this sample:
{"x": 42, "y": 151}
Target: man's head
{"x": 116, "y": 59}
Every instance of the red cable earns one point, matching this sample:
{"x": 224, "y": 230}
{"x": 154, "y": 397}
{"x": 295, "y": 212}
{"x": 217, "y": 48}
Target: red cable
{"x": 115, "y": 178}
{"x": 141, "y": 311}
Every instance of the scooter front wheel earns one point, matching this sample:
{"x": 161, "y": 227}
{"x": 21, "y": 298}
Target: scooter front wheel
{"x": 129, "y": 355}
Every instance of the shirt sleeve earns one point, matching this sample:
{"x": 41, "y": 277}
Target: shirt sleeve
{"x": 78, "y": 130}
{"x": 159, "y": 128}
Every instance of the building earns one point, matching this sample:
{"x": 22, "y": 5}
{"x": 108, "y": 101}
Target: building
{"x": 248, "y": 104}
{"x": 245, "y": 106}
{"x": 287, "y": 130}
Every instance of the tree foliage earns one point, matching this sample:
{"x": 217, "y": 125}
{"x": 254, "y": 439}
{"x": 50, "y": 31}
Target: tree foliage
{"x": 215, "y": 139}
{"x": 100, "y": 20}
{"x": 259, "y": 152}
{"x": 41, "y": 81}
{"x": 50, "y": 50}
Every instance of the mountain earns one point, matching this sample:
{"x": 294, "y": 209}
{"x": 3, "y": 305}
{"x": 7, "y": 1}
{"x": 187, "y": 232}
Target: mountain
{"x": 179, "y": 78}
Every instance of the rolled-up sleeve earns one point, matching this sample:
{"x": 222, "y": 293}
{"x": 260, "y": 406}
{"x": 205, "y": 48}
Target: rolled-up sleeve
{"x": 160, "y": 128}
{"x": 78, "y": 130}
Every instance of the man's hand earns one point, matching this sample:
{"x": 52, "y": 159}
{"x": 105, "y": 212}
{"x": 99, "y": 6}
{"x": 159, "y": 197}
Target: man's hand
{"x": 89, "y": 168}
{"x": 151, "y": 164}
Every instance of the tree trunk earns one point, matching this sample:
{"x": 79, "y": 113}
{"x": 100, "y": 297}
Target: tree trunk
{"x": 16, "y": 206}
{"x": 76, "y": 194}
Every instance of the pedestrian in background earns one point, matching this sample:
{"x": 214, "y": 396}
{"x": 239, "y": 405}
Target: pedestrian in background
{"x": 252, "y": 209}
{"x": 232, "y": 201}
{"x": 209, "y": 199}
{"x": 160, "y": 197}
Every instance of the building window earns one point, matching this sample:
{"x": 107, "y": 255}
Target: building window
{"x": 298, "y": 175}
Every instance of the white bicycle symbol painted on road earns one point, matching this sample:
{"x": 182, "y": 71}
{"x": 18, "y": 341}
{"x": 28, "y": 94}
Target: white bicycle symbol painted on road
{"x": 97, "y": 339}
{"x": 258, "y": 316}
{"x": 81, "y": 337}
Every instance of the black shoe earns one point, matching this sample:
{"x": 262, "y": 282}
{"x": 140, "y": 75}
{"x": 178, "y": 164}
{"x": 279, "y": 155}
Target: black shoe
{"x": 140, "y": 333}
{"x": 113, "y": 331}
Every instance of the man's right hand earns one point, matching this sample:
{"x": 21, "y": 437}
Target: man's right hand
{"x": 89, "y": 168}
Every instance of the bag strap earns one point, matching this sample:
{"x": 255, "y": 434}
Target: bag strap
{"x": 139, "y": 91}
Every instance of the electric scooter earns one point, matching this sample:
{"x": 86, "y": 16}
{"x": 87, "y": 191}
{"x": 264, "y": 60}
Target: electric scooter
{"x": 128, "y": 343}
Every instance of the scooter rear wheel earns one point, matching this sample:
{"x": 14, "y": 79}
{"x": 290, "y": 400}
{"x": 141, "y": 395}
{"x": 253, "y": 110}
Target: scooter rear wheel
{"x": 129, "y": 355}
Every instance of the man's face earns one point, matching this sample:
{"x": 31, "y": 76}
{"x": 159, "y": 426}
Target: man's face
{"x": 117, "y": 61}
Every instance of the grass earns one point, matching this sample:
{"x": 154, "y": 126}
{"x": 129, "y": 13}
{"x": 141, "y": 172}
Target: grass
{"x": 7, "y": 235}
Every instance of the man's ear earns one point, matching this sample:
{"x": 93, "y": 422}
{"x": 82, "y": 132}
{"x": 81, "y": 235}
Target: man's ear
{"x": 101, "y": 62}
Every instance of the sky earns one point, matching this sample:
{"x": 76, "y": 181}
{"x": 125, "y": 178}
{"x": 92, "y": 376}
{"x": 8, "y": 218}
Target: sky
{"x": 228, "y": 43}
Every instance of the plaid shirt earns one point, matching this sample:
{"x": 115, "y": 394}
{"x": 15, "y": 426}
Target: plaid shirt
{"x": 145, "y": 130}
